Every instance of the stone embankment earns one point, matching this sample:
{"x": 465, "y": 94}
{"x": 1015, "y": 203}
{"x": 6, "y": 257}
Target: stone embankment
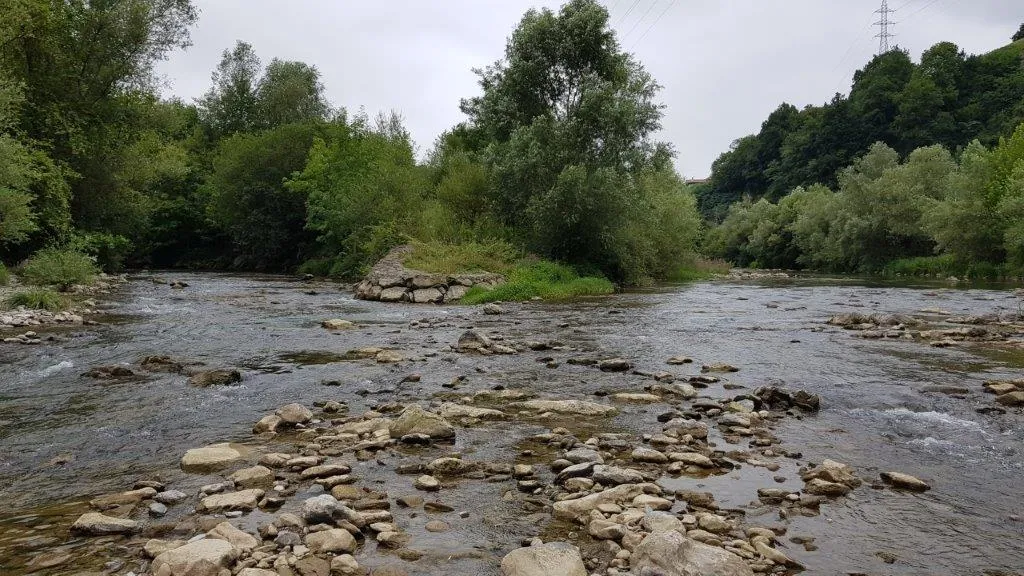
{"x": 391, "y": 281}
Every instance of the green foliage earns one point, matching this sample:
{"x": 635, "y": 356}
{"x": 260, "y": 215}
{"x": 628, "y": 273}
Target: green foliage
{"x": 444, "y": 258}
{"x": 564, "y": 126}
{"x": 38, "y": 299}
{"x": 108, "y": 251}
{"x": 1019, "y": 35}
{"x": 58, "y": 267}
{"x": 5, "y": 275}
{"x": 364, "y": 191}
{"x": 541, "y": 279}
{"x": 248, "y": 199}
{"x": 948, "y": 99}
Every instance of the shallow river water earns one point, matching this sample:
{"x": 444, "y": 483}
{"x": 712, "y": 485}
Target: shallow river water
{"x": 65, "y": 437}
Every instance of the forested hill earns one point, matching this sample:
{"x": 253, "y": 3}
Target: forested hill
{"x": 949, "y": 98}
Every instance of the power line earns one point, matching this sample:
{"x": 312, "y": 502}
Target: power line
{"x": 626, "y": 15}
{"x": 883, "y": 24}
{"x": 642, "y": 18}
{"x": 656, "y": 20}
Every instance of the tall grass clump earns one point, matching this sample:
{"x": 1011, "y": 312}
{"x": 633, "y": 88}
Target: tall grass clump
{"x": 37, "y": 299}
{"x": 57, "y": 267}
{"x": 451, "y": 258}
{"x": 541, "y": 279}
{"x": 5, "y": 275}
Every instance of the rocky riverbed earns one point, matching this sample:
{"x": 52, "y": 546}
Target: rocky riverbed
{"x": 263, "y": 427}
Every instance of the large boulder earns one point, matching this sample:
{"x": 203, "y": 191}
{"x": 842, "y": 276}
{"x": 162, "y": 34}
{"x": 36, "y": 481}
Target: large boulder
{"x": 200, "y": 558}
{"x": 294, "y": 413}
{"x": 670, "y": 553}
{"x": 551, "y": 559}
{"x": 210, "y": 458}
{"x": 416, "y": 420}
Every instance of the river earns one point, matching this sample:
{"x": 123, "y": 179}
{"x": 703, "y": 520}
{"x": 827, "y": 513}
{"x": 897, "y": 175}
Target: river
{"x": 65, "y": 437}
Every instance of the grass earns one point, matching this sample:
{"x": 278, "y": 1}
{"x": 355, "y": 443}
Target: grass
{"x": 38, "y": 299}
{"x": 60, "y": 268}
{"x": 5, "y": 275}
{"x": 542, "y": 279}
{"x": 700, "y": 269}
{"x": 444, "y": 258}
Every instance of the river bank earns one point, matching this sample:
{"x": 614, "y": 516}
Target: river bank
{"x": 878, "y": 413}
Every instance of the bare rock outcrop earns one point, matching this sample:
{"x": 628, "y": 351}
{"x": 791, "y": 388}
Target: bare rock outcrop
{"x": 390, "y": 281}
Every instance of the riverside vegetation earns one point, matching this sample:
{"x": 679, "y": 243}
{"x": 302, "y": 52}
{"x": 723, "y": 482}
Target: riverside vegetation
{"x": 919, "y": 171}
{"x": 264, "y": 174}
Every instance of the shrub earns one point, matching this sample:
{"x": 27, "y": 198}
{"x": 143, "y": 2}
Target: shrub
{"x": 541, "y": 279}
{"x": 57, "y": 267}
{"x": 109, "y": 251}
{"x": 38, "y": 299}
{"x": 5, "y": 276}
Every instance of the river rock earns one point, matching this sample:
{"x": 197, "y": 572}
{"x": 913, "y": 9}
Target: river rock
{"x": 670, "y": 553}
{"x": 254, "y": 477}
{"x": 337, "y": 324}
{"x": 614, "y": 475}
{"x": 210, "y": 458}
{"x": 209, "y": 378}
{"x": 551, "y": 559}
{"x": 416, "y": 420}
{"x": 573, "y": 407}
{"x": 820, "y": 487}
{"x": 642, "y": 454}
{"x": 473, "y": 341}
{"x": 691, "y": 459}
{"x": 492, "y": 309}
{"x": 394, "y": 294}
{"x": 388, "y": 357}
{"x": 832, "y": 471}
{"x": 345, "y": 565}
{"x": 427, "y": 483}
{"x": 294, "y": 413}
{"x": 229, "y": 533}
{"x": 204, "y": 557}
{"x": 905, "y": 481}
{"x": 460, "y": 411}
{"x": 154, "y": 547}
{"x": 333, "y": 541}
{"x": 257, "y": 572}
{"x": 1011, "y": 399}
{"x": 243, "y": 500}
{"x": 570, "y": 509}
{"x": 96, "y": 524}
{"x": 268, "y": 423}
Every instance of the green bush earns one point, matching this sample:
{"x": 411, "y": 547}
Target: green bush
{"x": 5, "y": 276}
{"x": 58, "y": 267}
{"x": 38, "y": 299}
{"x": 109, "y": 251}
{"x": 542, "y": 279}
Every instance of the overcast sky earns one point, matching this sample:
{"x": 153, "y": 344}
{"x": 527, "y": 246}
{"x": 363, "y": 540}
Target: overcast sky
{"x": 724, "y": 64}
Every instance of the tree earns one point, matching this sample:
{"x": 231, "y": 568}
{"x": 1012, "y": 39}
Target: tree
{"x": 86, "y": 68}
{"x": 1019, "y": 35}
{"x": 290, "y": 92}
{"x": 230, "y": 106}
{"x": 568, "y": 117}
{"x": 264, "y": 219}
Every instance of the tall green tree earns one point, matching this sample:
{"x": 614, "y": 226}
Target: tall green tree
{"x": 290, "y": 92}
{"x": 230, "y": 106}
{"x": 568, "y": 117}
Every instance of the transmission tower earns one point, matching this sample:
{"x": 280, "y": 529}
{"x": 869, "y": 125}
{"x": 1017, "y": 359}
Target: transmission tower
{"x": 883, "y": 27}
